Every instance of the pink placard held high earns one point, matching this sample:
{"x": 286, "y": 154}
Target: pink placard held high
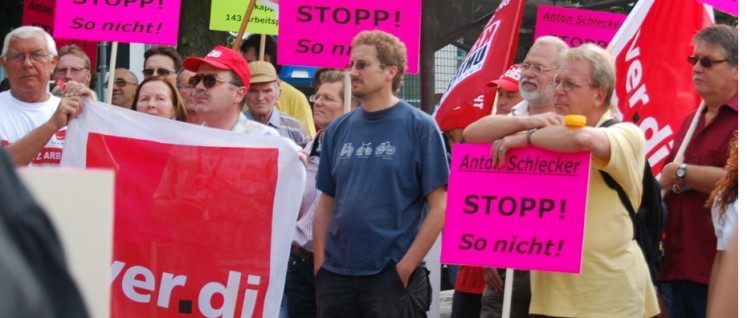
{"x": 319, "y": 32}
{"x": 139, "y": 21}
{"x": 577, "y": 26}
{"x": 526, "y": 215}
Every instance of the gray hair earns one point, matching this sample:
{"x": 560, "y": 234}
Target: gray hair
{"x": 602, "y": 67}
{"x": 560, "y": 46}
{"x": 26, "y": 32}
{"x": 723, "y": 36}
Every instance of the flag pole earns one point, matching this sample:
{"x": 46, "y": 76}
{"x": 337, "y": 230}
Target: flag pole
{"x": 110, "y": 77}
{"x": 244, "y": 22}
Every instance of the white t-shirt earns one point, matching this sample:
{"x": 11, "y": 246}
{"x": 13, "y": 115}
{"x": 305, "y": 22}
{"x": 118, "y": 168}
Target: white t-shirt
{"x": 724, "y": 225}
{"x": 18, "y": 118}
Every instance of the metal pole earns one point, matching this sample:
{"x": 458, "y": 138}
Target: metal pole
{"x": 102, "y": 68}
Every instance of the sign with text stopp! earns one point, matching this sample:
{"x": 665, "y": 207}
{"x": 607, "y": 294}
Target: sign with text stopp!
{"x": 40, "y": 13}
{"x": 139, "y": 21}
{"x": 319, "y": 32}
{"x": 577, "y": 26}
{"x": 528, "y": 214}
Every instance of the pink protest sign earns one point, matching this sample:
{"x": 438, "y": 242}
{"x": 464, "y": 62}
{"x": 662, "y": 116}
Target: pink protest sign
{"x": 139, "y": 21}
{"x": 527, "y": 215}
{"x": 40, "y": 13}
{"x": 319, "y": 32}
{"x": 728, "y": 6}
{"x": 577, "y": 26}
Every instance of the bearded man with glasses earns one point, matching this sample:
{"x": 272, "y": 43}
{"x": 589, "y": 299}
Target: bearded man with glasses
{"x": 690, "y": 245}
{"x": 220, "y": 84}
{"x": 32, "y": 121}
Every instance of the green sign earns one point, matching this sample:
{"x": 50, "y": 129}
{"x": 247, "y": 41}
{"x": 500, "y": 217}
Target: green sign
{"x": 226, "y": 15}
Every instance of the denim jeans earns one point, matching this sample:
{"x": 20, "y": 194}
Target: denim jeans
{"x": 299, "y": 299}
{"x": 688, "y": 299}
{"x": 379, "y": 295}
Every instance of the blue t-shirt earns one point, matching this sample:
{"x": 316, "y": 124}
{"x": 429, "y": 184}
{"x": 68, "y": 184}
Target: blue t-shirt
{"x": 379, "y": 167}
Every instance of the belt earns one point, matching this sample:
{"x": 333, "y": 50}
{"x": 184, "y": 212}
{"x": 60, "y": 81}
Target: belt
{"x": 303, "y": 252}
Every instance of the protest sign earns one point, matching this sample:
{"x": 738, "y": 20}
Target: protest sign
{"x": 577, "y": 26}
{"x": 496, "y": 217}
{"x": 319, "y": 32}
{"x": 226, "y": 15}
{"x": 203, "y": 219}
{"x": 40, "y": 13}
{"x": 728, "y": 6}
{"x": 654, "y": 87}
{"x": 85, "y": 230}
{"x": 468, "y": 97}
{"x": 139, "y": 21}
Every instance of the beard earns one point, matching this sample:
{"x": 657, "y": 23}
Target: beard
{"x": 540, "y": 95}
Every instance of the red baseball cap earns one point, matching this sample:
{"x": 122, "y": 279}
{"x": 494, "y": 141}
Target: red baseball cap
{"x": 223, "y": 58}
{"x": 509, "y": 80}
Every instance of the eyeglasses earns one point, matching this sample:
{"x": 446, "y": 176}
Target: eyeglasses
{"x": 208, "y": 80}
{"x": 119, "y": 83}
{"x": 567, "y": 85}
{"x": 705, "y": 61}
{"x": 73, "y": 70}
{"x": 360, "y": 65}
{"x": 157, "y": 71}
{"x": 536, "y": 68}
{"x": 325, "y": 99}
{"x": 36, "y": 57}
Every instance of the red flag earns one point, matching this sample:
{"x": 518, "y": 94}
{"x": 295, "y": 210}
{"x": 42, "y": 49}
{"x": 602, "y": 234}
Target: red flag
{"x": 465, "y": 100}
{"x": 654, "y": 81}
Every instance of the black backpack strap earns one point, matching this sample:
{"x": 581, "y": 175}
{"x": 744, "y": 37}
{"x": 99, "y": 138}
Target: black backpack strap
{"x": 616, "y": 186}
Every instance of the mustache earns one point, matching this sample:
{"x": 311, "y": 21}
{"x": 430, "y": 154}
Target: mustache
{"x": 529, "y": 80}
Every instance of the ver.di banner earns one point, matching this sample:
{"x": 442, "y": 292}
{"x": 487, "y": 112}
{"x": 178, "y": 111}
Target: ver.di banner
{"x": 203, "y": 219}
{"x": 496, "y": 217}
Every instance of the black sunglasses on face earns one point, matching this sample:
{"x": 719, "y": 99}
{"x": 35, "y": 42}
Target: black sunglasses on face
{"x": 208, "y": 80}
{"x": 157, "y": 71}
{"x": 706, "y": 62}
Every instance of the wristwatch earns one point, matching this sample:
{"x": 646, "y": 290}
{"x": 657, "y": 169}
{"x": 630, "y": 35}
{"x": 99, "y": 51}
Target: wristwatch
{"x": 681, "y": 173}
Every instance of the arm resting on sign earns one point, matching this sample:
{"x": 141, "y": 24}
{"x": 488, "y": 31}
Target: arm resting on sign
{"x": 429, "y": 231}
{"x": 490, "y": 128}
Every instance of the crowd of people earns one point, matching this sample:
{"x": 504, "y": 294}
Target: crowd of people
{"x": 377, "y": 170}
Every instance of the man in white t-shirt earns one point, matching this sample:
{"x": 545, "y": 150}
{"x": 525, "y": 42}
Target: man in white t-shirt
{"x": 32, "y": 121}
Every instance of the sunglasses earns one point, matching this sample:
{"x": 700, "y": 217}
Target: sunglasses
{"x": 119, "y": 83}
{"x": 157, "y": 71}
{"x": 706, "y": 62}
{"x": 360, "y": 65}
{"x": 208, "y": 80}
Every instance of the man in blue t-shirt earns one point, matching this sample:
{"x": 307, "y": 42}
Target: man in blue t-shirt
{"x": 380, "y": 164}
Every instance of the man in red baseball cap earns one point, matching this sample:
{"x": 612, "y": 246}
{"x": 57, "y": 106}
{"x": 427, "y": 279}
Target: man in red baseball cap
{"x": 508, "y": 90}
{"x": 220, "y": 83}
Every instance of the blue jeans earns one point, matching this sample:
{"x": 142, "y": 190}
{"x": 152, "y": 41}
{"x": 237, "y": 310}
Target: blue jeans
{"x": 689, "y": 299}
{"x": 299, "y": 299}
{"x": 379, "y": 295}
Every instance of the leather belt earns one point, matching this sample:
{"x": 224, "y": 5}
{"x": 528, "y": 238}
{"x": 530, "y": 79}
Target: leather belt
{"x": 303, "y": 252}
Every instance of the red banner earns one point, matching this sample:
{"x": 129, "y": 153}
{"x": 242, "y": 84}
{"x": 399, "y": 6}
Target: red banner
{"x": 203, "y": 219}
{"x": 189, "y": 236}
{"x": 41, "y": 13}
{"x": 468, "y": 97}
{"x": 654, "y": 81}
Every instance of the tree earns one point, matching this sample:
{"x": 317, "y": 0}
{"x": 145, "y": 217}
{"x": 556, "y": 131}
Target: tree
{"x": 195, "y": 38}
